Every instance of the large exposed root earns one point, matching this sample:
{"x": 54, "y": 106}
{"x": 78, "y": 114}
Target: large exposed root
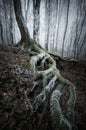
{"x": 44, "y": 66}
{"x": 62, "y": 120}
{"x": 42, "y": 96}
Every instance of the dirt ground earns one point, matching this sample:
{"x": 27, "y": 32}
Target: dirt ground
{"x": 76, "y": 73}
{"x": 14, "y": 72}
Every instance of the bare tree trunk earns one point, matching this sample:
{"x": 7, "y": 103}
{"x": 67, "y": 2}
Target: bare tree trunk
{"x": 77, "y": 31}
{"x": 36, "y": 10}
{"x": 82, "y": 45}
{"x": 11, "y": 22}
{"x": 82, "y": 14}
{"x": 47, "y": 24}
{"x": 2, "y": 37}
{"x": 65, "y": 28}
{"x": 59, "y": 13}
{"x": 25, "y": 36}
{"x": 27, "y": 5}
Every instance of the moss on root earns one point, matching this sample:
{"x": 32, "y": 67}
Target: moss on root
{"x": 60, "y": 121}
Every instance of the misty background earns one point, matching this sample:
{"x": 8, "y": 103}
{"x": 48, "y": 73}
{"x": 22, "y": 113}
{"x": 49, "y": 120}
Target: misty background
{"x": 57, "y": 25}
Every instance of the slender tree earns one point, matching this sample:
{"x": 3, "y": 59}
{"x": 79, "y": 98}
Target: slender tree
{"x": 65, "y": 27}
{"x": 47, "y": 22}
{"x": 36, "y": 14}
{"x": 80, "y": 23}
{"x": 25, "y": 36}
{"x": 27, "y": 4}
{"x": 59, "y": 14}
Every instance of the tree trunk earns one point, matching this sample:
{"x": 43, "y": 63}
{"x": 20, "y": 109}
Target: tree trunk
{"x": 65, "y": 28}
{"x": 36, "y": 13}
{"x": 47, "y": 24}
{"x": 25, "y": 36}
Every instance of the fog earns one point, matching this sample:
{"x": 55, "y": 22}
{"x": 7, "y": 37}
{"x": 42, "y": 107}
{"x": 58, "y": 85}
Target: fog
{"x": 57, "y": 25}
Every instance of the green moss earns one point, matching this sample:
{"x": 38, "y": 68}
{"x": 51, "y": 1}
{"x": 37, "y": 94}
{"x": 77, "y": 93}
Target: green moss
{"x": 59, "y": 121}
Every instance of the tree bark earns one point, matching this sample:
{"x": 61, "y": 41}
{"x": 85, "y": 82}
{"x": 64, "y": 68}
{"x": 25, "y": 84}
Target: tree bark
{"x": 25, "y": 36}
{"x": 65, "y": 28}
{"x": 36, "y": 13}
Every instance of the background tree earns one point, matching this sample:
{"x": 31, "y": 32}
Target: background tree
{"x": 80, "y": 23}
{"x": 47, "y": 22}
{"x": 50, "y": 27}
{"x": 68, "y": 4}
{"x": 36, "y": 14}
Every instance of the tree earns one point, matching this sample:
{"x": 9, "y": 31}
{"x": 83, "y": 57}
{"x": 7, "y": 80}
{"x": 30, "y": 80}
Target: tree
{"x": 65, "y": 26}
{"x": 80, "y": 23}
{"x": 59, "y": 14}
{"x": 25, "y": 36}
{"x": 36, "y": 13}
{"x": 47, "y": 24}
{"x": 44, "y": 66}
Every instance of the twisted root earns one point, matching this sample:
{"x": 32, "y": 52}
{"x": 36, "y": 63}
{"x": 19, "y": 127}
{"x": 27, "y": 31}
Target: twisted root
{"x": 62, "y": 120}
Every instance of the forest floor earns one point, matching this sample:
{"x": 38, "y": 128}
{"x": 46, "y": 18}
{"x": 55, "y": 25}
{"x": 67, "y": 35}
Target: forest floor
{"x": 76, "y": 73}
{"x": 15, "y": 77}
